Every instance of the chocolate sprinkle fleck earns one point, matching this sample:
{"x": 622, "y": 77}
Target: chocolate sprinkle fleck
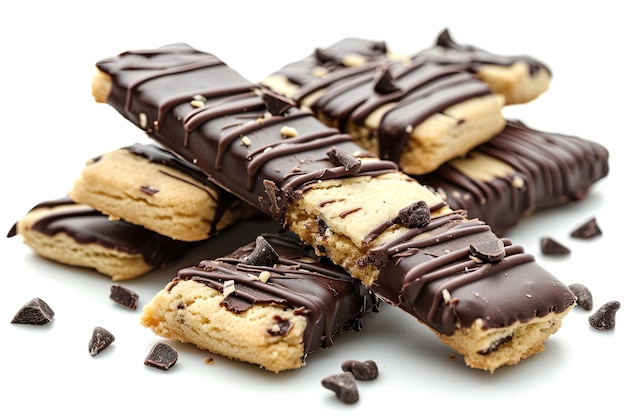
{"x": 262, "y": 255}
{"x": 587, "y": 230}
{"x": 491, "y": 251}
{"x": 344, "y": 386}
{"x": 604, "y": 318}
{"x": 549, "y": 246}
{"x": 415, "y": 215}
{"x": 100, "y": 340}
{"x": 124, "y": 296}
{"x": 36, "y": 312}
{"x": 161, "y": 356}
{"x": 583, "y": 295}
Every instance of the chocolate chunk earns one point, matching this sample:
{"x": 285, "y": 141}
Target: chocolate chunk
{"x": 362, "y": 371}
{"x": 583, "y": 295}
{"x": 276, "y": 104}
{"x": 342, "y": 158}
{"x": 124, "y": 296}
{"x": 587, "y": 230}
{"x": 549, "y": 246}
{"x": 604, "y": 318}
{"x": 161, "y": 356}
{"x": 490, "y": 251}
{"x": 344, "y": 386}
{"x": 262, "y": 255}
{"x": 415, "y": 215}
{"x": 100, "y": 340}
{"x": 36, "y": 311}
{"x": 383, "y": 81}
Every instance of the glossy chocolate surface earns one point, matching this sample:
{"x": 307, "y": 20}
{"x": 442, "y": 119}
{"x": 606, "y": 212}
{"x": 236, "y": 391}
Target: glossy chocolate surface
{"x": 327, "y": 296}
{"x": 235, "y": 139}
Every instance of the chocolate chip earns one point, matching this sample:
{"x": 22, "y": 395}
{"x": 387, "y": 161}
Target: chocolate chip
{"x": 583, "y": 295}
{"x": 124, "y": 296}
{"x": 100, "y": 340}
{"x": 587, "y": 230}
{"x": 362, "y": 371}
{"x": 604, "y": 318}
{"x": 490, "y": 251}
{"x": 383, "y": 81}
{"x": 342, "y": 158}
{"x": 344, "y": 386}
{"x": 263, "y": 254}
{"x": 276, "y": 104}
{"x": 415, "y": 215}
{"x": 161, "y": 356}
{"x": 36, "y": 312}
{"x": 549, "y": 246}
{"x": 375, "y": 257}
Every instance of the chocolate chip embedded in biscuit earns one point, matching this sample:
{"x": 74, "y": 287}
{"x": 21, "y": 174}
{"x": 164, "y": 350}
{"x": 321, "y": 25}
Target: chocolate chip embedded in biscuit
{"x": 101, "y": 339}
{"x": 344, "y": 386}
{"x": 550, "y": 246}
{"x": 263, "y": 254}
{"x": 415, "y": 215}
{"x": 161, "y": 356}
{"x": 276, "y": 104}
{"x": 124, "y": 296}
{"x": 490, "y": 251}
{"x": 36, "y": 312}
{"x": 587, "y": 230}
{"x": 342, "y": 158}
{"x": 383, "y": 81}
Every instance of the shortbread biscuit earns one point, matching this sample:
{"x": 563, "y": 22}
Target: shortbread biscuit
{"x": 519, "y": 172}
{"x": 78, "y": 235}
{"x": 270, "y": 303}
{"x": 149, "y": 186}
{"x": 450, "y": 272}
{"x": 416, "y": 112}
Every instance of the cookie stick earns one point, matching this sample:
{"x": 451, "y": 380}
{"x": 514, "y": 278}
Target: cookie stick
{"x": 78, "y": 235}
{"x": 270, "y": 303}
{"x": 519, "y": 172}
{"x": 384, "y": 228}
{"x": 149, "y": 186}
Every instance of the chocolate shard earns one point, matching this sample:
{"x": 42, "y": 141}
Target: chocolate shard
{"x": 124, "y": 296}
{"x": 415, "y": 215}
{"x": 161, "y": 356}
{"x": 342, "y": 158}
{"x": 36, "y": 312}
{"x": 276, "y": 104}
{"x": 587, "y": 230}
{"x": 549, "y": 246}
{"x": 101, "y": 339}
{"x": 384, "y": 82}
{"x": 262, "y": 255}
{"x": 489, "y": 251}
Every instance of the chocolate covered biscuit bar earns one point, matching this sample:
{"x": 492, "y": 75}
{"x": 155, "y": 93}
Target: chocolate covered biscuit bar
{"x": 149, "y": 186}
{"x": 384, "y": 228}
{"x": 519, "y": 172}
{"x": 78, "y": 235}
{"x": 271, "y": 303}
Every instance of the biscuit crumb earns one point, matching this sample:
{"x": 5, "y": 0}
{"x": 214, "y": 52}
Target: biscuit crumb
{"x": 229, "y": 287}
{"x": 288, "y": 132}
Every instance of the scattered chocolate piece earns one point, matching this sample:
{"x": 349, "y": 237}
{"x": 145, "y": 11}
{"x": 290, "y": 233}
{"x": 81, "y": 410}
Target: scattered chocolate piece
{"x": 490, "y": 251}
{"x": 124, "y": 296}
{"x": 383, "y": 81}
{"x": 262, "y": 255}
{"x": 342, "y": 158}
{"x": 162, "y": 356}
{"x": 362, "y": 371}
{"x": 587, "y": 230}
{"x": 582, "y": 293}
{"x": 344, "y": 386}
{"x": 100, "y": 340}
{"x": 604, "y": 318}
{"x": 549, "y": 246}
{"x": 36, "y": 311}
{"x": 276, "y": 104}
{"x": 415, "y": 215}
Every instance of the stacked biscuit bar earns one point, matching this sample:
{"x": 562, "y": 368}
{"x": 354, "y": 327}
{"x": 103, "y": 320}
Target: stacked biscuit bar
{"x": 379, "y": 224}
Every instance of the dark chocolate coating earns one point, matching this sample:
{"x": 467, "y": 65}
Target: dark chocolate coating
{"x": 87, "y": 225}
{"x": 330, "y": 299}
{"x": 556, "y": 169}
{"x": 156, "y": 86}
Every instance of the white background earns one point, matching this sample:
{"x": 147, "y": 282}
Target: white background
{"x": 50, "y": 126}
